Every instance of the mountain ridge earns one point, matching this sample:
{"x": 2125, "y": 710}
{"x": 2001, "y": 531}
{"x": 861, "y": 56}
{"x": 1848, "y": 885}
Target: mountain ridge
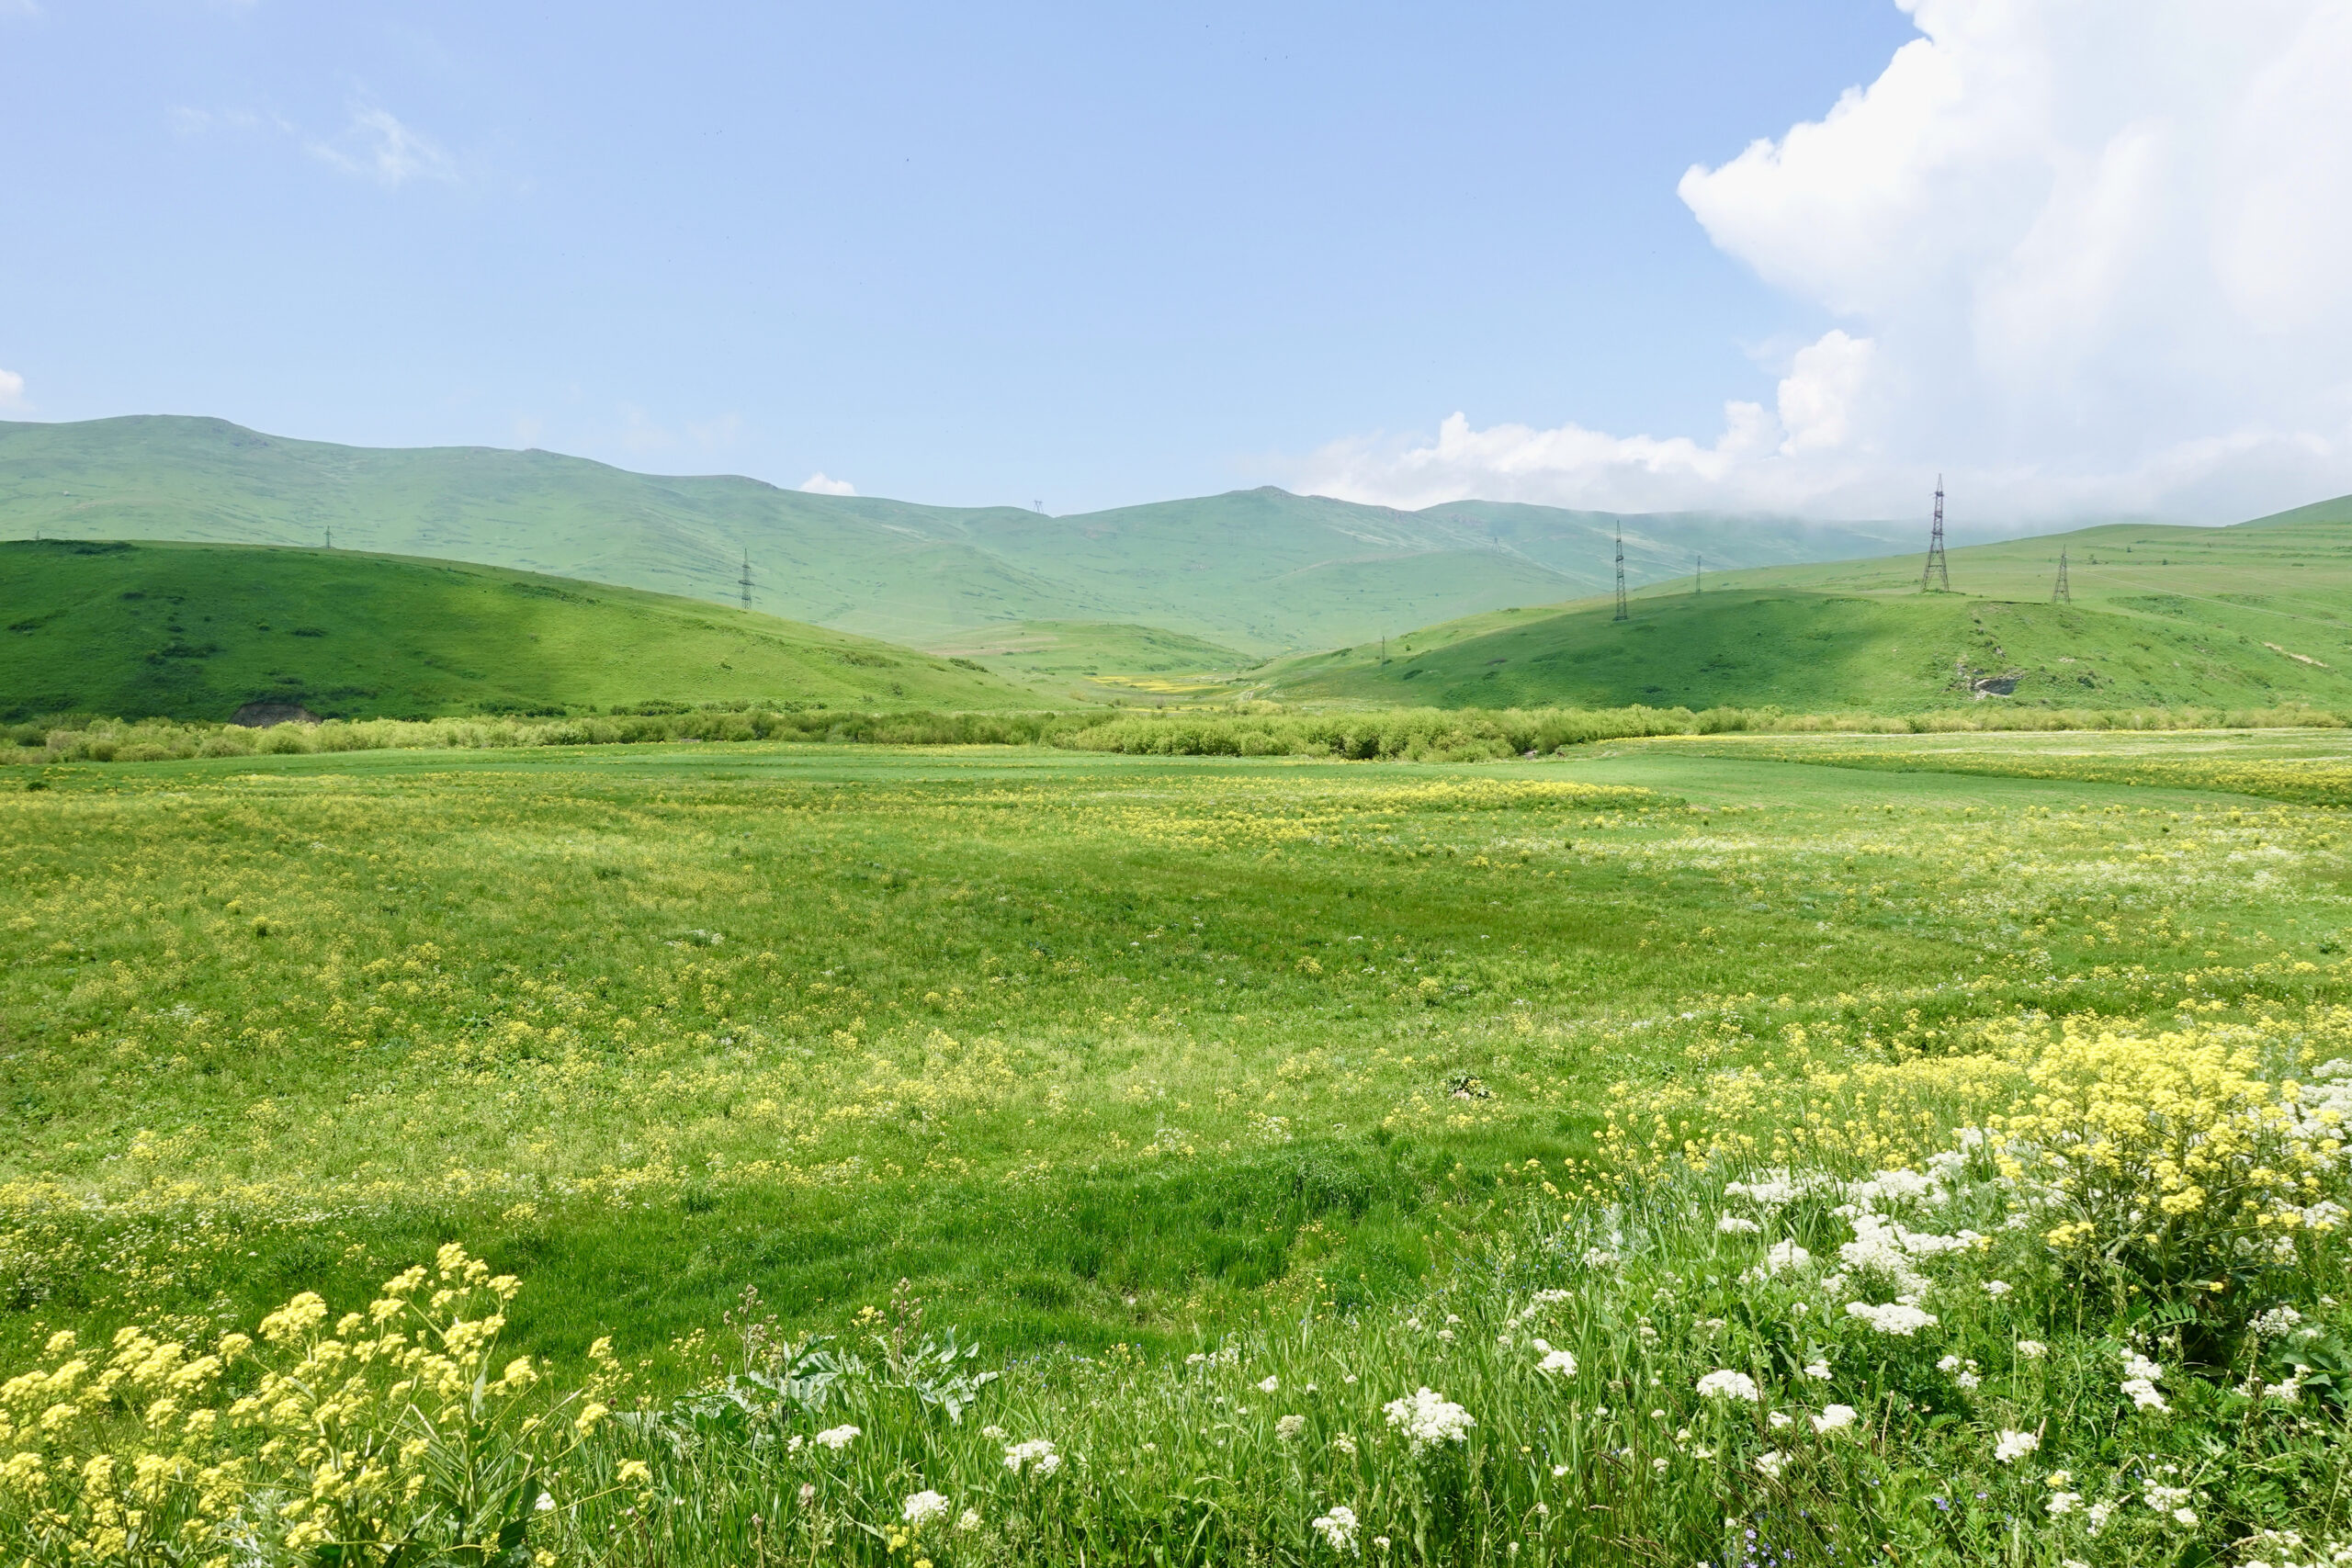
{"x": 1261, "y": 569}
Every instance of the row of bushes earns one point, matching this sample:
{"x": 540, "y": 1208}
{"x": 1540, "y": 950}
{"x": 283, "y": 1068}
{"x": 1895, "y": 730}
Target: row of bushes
{"x": 1255, "y": 729}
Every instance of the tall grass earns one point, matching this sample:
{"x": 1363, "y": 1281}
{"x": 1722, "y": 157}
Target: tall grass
{"x": 1255, "y": 729}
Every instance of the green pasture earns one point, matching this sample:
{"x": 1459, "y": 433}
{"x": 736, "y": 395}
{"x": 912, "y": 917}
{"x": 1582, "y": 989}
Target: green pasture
{"x": 197, "y": 631}
{"x": 2251, "y": 616}
{"x": 1092, "y": 1048}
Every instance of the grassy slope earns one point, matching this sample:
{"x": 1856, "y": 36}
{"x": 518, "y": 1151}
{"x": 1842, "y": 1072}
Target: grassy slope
{"x": 2159, "y": 614}
{"x": 1256, "y": 569}
{"x": 192, "y": 631}
{"x": 1088, "y": 647}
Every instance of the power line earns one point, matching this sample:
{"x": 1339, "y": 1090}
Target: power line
{"x": 1621, "y": 572}
{"x": 746, "y": 580}
{"x": 1697, "y": 573}
{"x": 2061, "y": 594}
{"x": 1937, "y": 576}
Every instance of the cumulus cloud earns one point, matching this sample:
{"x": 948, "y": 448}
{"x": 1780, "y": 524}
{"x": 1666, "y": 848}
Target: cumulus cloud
{"x": 818, "y": 484}
{"x": 12, "y": 391}
{"x": 2085, "y": 254}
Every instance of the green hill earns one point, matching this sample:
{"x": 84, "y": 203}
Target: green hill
{"x": 196, "y": 631}
{"x": 2256, "y": 615}
{"x": 1259, "y": 570}
{"x": 1090, "y": 648}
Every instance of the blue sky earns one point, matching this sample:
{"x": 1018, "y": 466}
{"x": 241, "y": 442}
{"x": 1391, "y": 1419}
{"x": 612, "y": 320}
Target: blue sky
{"x": 2082, "y": 254}
{"x": 1086, "y": 254}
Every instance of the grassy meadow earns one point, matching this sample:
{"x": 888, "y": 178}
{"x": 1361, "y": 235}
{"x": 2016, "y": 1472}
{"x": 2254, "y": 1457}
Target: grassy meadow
{"x": 193, "y": 632}
{"x": 1216, "y": 1104}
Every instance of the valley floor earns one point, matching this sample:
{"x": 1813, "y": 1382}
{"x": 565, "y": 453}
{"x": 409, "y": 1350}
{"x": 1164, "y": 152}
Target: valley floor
{"x": 1126, "y": 1056}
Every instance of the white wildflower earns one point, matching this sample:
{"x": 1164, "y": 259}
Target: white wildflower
{"x": 1997, "y": 1289}
{"x": 1736, "y": 1225}
{"x": 1834, "y": 1418}
{"x": 2274, "y": 1324}
{"x": 1338, "y": 1528}
{"x": 2013, "y": 1446}
{"x": 1428, "y": 1419}
{"x": 1557, "y": 1362}
{"x": 1771, "y": 1463}
{"x": 1727, "y": 1385}
{"x": 1781, "y": 1420}
{"x": 2063, "y": 1502}
{"x": 1896, "y": 1318}
{"x": 1817, "y": 1371}
{"x": 969, "y": 1519}
{"x": 1345, "y": 1444}
{"x": 922, "y": 1507}
{"x": 837, "y": 1438}
{"x": 1268, "y": 1385}
{"x": 1289, "y": 1428}
{"x": 1538, "y": 1301}
{"x": 1779, "y": 1257}
{"x": 1036, "y": 1455}
{"x": 2032, "y": 1350}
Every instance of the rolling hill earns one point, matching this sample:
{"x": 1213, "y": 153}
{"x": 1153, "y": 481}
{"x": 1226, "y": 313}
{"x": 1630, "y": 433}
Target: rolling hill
{"x": 196, "y": 631}
{"x": 2256, "y": 615}
{"x": 1262, "y": 571}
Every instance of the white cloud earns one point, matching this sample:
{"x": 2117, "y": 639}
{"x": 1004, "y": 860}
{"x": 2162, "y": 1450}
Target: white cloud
{"x": 2086, "y": 254}
{"x": 12, "y": 391}
{"x": 375, "y": 145}
{"x": 818, "y": 484}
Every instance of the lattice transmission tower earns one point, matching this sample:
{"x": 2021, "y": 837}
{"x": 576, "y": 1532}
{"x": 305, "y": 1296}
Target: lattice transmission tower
{"x": 2061, "y": 594}
{"x": 1621, "y": 573}
{"x": 745, "y": 581}
{"x": 1697, "y": 573}
{"x": 1937, "y": 576}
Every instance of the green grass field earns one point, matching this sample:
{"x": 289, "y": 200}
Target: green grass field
{"x": 1108, "y": 1060}
{"x": 196, "y": 631}
{"x": 2250, "y": 615}
{"x": 821, "y": 1010}
{"x": 1094, "y": 661}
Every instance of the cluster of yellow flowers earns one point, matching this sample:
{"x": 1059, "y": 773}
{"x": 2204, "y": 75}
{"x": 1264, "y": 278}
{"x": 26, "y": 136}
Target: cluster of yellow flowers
{"x": 386, "y": 1426}
{"x": 2177, "y": 1155}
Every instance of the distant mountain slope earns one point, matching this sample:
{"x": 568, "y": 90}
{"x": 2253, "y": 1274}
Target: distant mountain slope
{"x": 1820, "y": 653}
{"x": 2251, "y": 616}
{"x": 196, "y": 631}
{"x": 1260, "y": 571}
